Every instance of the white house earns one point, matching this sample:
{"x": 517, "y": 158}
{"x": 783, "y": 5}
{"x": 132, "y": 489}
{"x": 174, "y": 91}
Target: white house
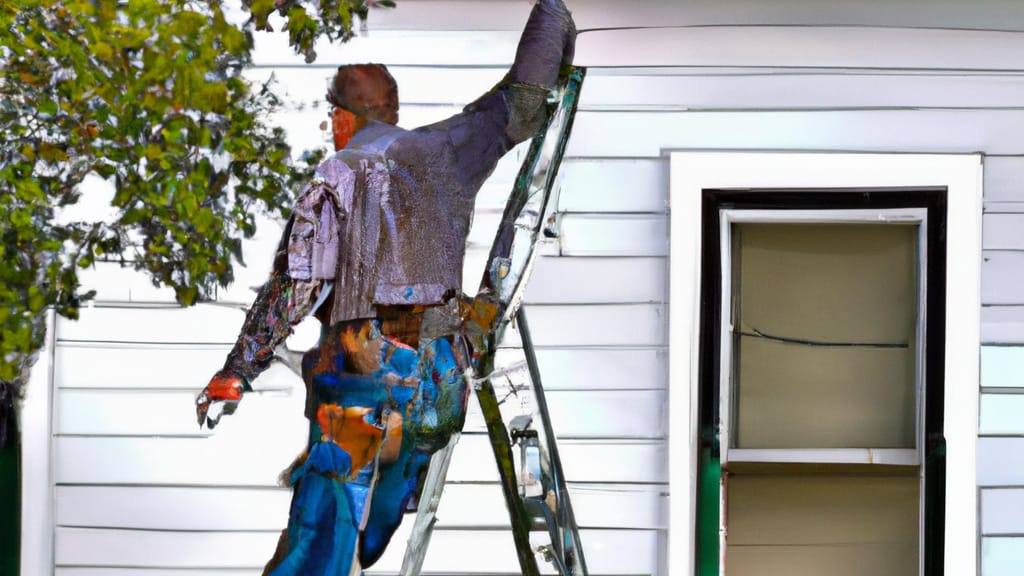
{"x": 684, "y": 103}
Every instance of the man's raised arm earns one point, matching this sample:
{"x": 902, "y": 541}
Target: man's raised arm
{"x": 515, "y": 109}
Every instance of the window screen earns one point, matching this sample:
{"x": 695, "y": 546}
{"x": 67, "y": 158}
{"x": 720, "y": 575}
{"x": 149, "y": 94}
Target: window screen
{"x": 824, "y": 324}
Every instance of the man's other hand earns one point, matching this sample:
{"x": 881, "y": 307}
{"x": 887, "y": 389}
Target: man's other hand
{"x": 220, "y": 397}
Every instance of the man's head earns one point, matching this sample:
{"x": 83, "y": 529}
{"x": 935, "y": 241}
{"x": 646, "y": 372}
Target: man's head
{"x": 366, "y": 90}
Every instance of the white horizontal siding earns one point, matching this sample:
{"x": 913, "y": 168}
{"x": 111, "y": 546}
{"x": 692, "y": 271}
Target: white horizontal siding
{"x": 105, "y": 366}
{"x": 599, "y": 368}
{"x": 598, "y": 296}
{"x": 217, "y": 509}
{"x": 713, "y": 46}
{"x": 119, "y": 412}
{"x": 1000, "y": 415}
{"x": 507, "y": 14}
{"x": 601, "y": 280}
{"x": 1001, "y": 556}
{"x": 1000, "y": 277}
{"x": 649, "y": 134}
{"x": 1001, "y": 461}
{"x": 111, "y": 571}
{"x": 1002, "y": 511}
{"x": 440, "y": 91}
{"x": 625, "y": 185}
{"x": 1000, "y": 367}
{"x": 215, "y": 325}
{"x": 615, "y": 235}
{"x": 1002, "y": 325}
{"x": 492, "y": 552}
{"x": 1003, "y": 181}
{"x": 230, "y": 459}
{"x": 888, "y": 48}
{"x": 744, "y": 89}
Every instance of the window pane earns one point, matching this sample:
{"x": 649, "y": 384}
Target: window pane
{"x": 825, "y": 349}
{"x": 836, "y": 525}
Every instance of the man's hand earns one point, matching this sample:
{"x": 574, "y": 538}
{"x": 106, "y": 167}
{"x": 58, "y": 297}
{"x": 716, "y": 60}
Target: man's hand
{"x": 221, "y": 396}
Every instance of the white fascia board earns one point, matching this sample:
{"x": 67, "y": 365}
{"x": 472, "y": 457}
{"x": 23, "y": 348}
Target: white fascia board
{"x": 802, "y": 47}
{"x": 961, "y": 175}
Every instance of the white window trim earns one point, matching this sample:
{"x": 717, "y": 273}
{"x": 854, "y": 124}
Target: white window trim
{"x": 961, "y": 175}
{"x": 37, "y": 471}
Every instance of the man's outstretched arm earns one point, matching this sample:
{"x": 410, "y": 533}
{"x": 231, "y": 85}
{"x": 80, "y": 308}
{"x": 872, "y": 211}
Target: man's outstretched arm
{"x": 280, "y": 304}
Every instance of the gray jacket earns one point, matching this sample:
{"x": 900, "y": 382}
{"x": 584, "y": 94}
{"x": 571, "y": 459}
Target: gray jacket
{"x": 387, "y": 217}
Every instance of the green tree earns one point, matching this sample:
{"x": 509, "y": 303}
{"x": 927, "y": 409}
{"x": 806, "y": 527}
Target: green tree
{"x": 149, "y": 95}
{"x": 331, "y": 18}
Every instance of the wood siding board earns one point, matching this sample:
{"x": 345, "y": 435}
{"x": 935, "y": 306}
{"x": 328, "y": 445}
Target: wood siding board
{"x": 118, "y": 412}
{"x": 598, "y": 280}
{"x": 166, "y": 413}
{"x": 1000, "y": 367}
{"x": 596, "y": 368}
{"x": 158, "y": 549}
{"x": 1001, "y": 281}
{"x": 173, "y": 508}
{"x": 493, "y": 551}
{"x": 431, "y": 87}
{"x": 788, "y": 91}
{"x": 200, "y": 324}
{"x": 613, "y": 235}
{"x": 98, "y": 366}
{"x": 1002, "y": 511}
{"x": 109, "y": 571}
{"x": 228, "y": 459}
{"x": 605, "y": 506}
{"x": 224, "y": 459}
{"x": 596, "y": 325}
{"x": 1001, "y": 556}
{"x": 998, "y": 207}
{"x": 649, "y": 134}
{"x": 1000, "y": 461}
{"x": 748, "y": 46}
{"x": 1004, "y": 178}
{"x": 589, "y": 413}
{"x": 631, "y": 185}
{"x": 1003, "y": 231}
{"x": 643, "y": 133}
{"x": 209, "y": 324}
{"x": 1002, "y": 325}
{"x": 814, "y": 46}
{"x": 115, "y": 283}
{"x": 1001, "y": 414}
{"x": 261, "y": 509}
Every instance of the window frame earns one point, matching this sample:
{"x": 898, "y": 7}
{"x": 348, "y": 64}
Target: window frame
{"x": 727, "y": 385}
{"x": 961, "y": 176}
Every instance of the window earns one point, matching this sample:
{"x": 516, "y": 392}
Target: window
{"x": 820, "y": 406}
{"x": 819, "y": 425}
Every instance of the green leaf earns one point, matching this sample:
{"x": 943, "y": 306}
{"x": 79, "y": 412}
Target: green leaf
{"x": 48, "y": 107}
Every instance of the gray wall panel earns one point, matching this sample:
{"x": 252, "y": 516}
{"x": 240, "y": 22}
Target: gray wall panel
{"x": 1000, "y": 461}
{"x": 1002, "y": 511}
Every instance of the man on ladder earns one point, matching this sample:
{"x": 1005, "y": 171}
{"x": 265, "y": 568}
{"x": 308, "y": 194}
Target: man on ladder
{"x": 374, "y": 249}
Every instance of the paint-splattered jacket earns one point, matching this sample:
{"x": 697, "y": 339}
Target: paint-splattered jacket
{"x": 387, "y": 217}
